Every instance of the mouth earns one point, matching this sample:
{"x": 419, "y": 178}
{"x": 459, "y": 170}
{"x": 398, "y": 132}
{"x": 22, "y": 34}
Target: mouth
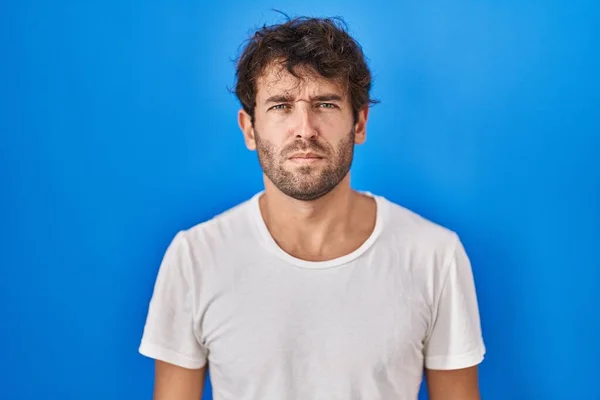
{"x": 308, "y": 158}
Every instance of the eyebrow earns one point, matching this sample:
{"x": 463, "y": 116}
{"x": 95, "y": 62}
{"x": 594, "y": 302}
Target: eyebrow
{"x": 288, "y": 99}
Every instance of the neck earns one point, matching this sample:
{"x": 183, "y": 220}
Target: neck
{"x": 310, "y": 228}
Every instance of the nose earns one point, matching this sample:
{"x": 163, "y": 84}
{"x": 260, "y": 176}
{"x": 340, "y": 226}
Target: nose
{"x": 306, "y": 127}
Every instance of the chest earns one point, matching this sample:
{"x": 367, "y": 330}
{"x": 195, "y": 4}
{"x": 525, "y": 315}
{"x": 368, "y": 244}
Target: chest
{"x": 316, "y": 322}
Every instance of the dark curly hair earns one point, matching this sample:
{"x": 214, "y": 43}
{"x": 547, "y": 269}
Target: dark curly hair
{"x": 321, "y": 44}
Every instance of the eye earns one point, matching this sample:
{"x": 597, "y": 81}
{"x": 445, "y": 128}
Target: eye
{"x": 280, "y": 107}
{"x": 326, "y": 105}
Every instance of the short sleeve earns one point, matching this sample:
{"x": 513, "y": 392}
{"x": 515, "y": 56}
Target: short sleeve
{"x": 455, "y": 338}
{"x": 169, "y": 333}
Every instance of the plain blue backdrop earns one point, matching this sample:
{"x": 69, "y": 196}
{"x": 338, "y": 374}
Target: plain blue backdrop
{"x": 118, "y": 130}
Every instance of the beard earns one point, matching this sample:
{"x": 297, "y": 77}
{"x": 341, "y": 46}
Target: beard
{"x": 306, "y": 182}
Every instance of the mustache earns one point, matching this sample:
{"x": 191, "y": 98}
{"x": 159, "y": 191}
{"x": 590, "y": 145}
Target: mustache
{"x": 304, "y": 146}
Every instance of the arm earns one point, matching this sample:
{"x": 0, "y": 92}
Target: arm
{"x": 171, "y": 334}
{"x": 455, "y": 347}
{"x": 456, "y": 384}
{"x": 172, "y": 382}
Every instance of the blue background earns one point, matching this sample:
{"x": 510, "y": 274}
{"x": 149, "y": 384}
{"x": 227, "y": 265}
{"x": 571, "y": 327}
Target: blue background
{"x": 117, "y": 130}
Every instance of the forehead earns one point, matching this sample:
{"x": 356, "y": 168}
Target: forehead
{"x": 277, "y": 80}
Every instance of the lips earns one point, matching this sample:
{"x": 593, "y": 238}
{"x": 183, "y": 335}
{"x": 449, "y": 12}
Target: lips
{"x": 305, "y": 156}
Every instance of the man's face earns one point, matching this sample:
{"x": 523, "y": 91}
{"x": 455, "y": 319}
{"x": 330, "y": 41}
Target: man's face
{"x": 304, "y": 132}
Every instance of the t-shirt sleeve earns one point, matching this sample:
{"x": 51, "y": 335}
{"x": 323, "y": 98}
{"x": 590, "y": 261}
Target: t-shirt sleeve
{"x": 455, "y": 338}
{"x": 169, "y": 333}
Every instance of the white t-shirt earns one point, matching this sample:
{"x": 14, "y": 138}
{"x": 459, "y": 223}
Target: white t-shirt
{"x": 274, "y": 327}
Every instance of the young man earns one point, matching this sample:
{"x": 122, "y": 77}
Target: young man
{"x": 311, "y": 290}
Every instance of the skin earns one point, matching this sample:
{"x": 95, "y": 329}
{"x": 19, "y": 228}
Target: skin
{"x": 308, "y": 205}
{"x": 304, "y": 134}
{"x": 172, "y": 382}
{"x": 457, "y": 384}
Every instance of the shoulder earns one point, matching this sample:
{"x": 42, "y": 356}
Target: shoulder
{"x": 407, "y": 229}
{"x": 225, "y": 230}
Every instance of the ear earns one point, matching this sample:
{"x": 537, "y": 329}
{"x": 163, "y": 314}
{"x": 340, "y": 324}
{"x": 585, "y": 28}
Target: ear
{"x": 245, "y": 123}
{"x": 360, "y": 128}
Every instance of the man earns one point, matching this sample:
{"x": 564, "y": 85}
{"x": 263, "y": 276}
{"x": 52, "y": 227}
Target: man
{"x": 311, "y": 290}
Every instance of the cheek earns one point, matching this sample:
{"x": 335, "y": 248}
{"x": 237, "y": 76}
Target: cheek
{"x": 267, "y": 148}
{"x": 272, "y": 132}
{"x": 275, "y": 125}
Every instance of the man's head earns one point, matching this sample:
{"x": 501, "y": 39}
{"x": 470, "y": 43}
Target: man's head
{"x": 304, "y": 87}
